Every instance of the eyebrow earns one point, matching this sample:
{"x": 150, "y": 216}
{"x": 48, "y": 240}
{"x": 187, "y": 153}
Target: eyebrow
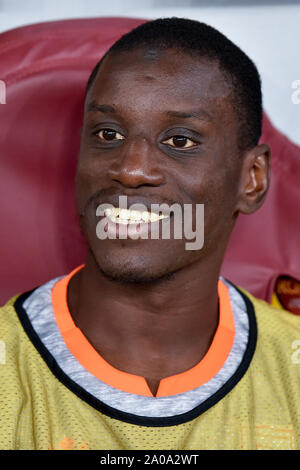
{"x": 103, "y": 108}
{"x": 199, "y": 114}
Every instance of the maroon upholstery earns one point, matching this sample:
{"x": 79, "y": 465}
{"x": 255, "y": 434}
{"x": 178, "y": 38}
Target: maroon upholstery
{"x": 45, "y": 67}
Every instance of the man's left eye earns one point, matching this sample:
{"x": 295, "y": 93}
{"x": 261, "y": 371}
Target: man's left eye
{"x": 180, "y": 141}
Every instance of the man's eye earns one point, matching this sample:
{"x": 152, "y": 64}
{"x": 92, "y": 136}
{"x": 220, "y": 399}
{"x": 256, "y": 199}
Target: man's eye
{"x": 180, "y": 141}
{"x": 109, "y": 135}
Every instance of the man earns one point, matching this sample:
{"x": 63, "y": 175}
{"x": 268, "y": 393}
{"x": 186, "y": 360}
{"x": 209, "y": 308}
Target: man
{"x": 145, "y": 346}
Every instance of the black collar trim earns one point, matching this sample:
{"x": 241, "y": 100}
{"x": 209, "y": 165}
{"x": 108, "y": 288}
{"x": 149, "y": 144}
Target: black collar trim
{"x": 129, "y": 417}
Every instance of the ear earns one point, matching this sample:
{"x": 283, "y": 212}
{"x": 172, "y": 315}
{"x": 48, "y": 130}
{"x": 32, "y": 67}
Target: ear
{"x": 255, "y": 179}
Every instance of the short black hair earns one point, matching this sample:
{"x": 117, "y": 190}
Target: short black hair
{"x": 199, "y": 39}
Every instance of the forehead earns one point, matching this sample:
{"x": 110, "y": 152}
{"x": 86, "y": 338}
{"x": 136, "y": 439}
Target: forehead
{"x": 160, "y": 79}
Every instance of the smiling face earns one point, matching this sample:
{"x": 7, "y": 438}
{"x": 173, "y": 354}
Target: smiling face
{"x": 160, "y": 128}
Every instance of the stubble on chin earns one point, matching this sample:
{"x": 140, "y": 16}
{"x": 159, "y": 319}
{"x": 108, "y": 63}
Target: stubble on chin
{"x": 127, "y": 273}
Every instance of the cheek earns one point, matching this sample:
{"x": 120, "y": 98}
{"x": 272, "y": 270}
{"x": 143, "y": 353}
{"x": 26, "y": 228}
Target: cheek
{"x": 216, "y": 190}
{"x": 202, "y": 186}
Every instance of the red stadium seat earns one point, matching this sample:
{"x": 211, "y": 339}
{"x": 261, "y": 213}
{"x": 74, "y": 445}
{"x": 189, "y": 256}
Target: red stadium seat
{"x": 45, "y": 68}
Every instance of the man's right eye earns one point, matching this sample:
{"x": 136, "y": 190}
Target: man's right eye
{"x": 109, "y": 135}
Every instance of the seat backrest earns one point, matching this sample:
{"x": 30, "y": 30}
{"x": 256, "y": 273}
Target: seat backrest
{"x": 45, "y": 68}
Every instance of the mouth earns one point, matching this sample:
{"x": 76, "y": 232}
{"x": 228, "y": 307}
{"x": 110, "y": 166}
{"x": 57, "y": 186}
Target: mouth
{"x": 123, "y": 216}
{"x": 132, "y": 224}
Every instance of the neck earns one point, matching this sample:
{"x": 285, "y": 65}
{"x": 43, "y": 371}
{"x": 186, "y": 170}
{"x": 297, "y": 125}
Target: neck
{"x": 154, "y": 330}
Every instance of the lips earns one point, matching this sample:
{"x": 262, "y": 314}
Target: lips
{"x": 125, "y": 223}
{"x": 143, "y": 219}
{"x": 137, "y": 202}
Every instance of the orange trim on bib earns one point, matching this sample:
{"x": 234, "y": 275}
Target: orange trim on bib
{"x": 94, "y": 363}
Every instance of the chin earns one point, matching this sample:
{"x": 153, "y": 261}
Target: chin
{"x": 132, "y": 272}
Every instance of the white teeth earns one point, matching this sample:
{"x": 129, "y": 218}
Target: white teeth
{"x": 123, "y": 214}
{"x": 126, "y": 216}
{"x": 146, "y": 216}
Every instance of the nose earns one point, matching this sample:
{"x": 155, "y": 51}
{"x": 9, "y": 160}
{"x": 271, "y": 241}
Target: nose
{"x": 137, "y": 165}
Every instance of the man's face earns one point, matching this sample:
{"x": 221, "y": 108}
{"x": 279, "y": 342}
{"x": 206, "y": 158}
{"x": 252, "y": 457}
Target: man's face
{"x": 158, "y": 129}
